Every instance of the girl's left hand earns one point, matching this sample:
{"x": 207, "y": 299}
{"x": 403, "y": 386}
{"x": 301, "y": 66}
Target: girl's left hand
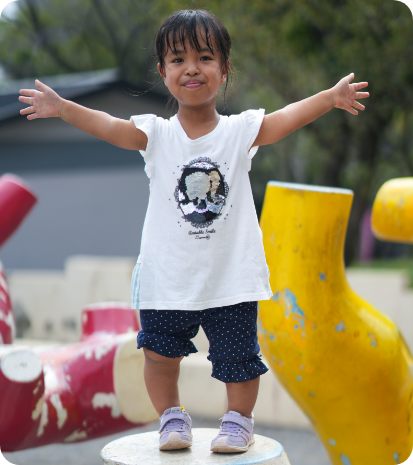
{"x": 345, "y": 94}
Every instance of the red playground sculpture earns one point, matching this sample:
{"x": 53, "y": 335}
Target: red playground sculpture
{"x": 72, "y": 392}
{"x": 16, "y": 200}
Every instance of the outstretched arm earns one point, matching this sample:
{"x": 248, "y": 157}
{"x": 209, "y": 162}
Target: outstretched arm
{"x": 279, "y": 124}
{"x": 46, "y": 103}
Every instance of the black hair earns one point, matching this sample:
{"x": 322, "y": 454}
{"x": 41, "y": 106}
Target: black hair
{"x": 190, "y": 24}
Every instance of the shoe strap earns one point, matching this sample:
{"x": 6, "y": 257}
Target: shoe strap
{"x": 174, "y": 416}
{"x": 239, "y": 420}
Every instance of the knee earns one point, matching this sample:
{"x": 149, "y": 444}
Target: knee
{"x": 153, "y": 357}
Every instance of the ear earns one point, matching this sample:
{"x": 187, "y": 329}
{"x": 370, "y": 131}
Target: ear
{"x": 161, "y": 71}
{"x": 224, "y": 73}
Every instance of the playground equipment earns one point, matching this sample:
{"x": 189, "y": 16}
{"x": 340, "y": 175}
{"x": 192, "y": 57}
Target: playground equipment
{"x": 392, "y": 215}
{"x": 144, "y": 449}
{"x": 71, "y": 392}
{"x": 16, "y": 200}
{"x": 345, "y": 364}
{"x": 75, "y": 392}
{"x": 391, "y": 220}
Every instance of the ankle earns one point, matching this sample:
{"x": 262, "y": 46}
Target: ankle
{"x": 243, "y": 413}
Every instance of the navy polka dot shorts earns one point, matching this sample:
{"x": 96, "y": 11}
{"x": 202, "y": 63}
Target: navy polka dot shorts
{"x": 231, "y": 331}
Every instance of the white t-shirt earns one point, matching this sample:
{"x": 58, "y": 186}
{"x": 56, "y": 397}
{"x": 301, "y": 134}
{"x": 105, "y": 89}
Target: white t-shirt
{"x": 201, "y": 242}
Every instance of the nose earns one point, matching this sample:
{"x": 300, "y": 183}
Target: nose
{"x": 192, "y": 68}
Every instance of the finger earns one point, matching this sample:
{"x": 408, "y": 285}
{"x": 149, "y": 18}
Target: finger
{"x": 362, "y": 95}
{"x": 27, "y": 110}
{"x": 358, "y": 105}
{"x": 350, "y": 77}
{"x": 40, "y": 85}
{"x": 352, "y": 110}
{"x": 28, "y": 100}
{"x": 360, "y": 85}
{"x": 29, "y": 92}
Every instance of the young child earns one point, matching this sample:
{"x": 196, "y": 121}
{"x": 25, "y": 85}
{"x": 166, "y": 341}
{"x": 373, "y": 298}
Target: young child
{"x": 202, "y": 259}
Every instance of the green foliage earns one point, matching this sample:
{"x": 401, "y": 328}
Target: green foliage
{"x": 54, "y": 37}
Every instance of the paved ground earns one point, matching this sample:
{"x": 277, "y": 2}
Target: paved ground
{"x": 302, "y": 447}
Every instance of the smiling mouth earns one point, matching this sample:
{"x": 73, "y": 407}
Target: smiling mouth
{"x": 193, "y": 84}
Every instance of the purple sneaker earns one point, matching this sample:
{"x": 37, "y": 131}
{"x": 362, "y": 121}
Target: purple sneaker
{"x": 175, "y": 430}
{"x": 236, "y": 433}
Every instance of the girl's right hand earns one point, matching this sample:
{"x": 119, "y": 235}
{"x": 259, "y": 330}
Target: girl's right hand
{"x": 44, "y": 103}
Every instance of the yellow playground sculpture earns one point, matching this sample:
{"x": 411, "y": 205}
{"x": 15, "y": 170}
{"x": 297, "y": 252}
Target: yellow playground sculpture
{"x": 392, "y": 220}
{"x": 345, "y": 364}
{"x": 392, "y": 215}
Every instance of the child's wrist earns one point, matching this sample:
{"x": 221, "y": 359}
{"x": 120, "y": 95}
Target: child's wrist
{"x": 61, "y": 106}
{"x": 331, "y": 95}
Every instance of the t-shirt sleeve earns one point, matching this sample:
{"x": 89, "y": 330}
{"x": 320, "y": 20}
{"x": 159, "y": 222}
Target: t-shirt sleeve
{"x": 147, "y": 124}
{"x": 253, "y": 120}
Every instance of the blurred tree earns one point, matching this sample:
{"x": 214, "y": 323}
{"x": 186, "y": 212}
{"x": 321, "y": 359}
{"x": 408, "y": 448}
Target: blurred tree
{"x": 50, "y": 37}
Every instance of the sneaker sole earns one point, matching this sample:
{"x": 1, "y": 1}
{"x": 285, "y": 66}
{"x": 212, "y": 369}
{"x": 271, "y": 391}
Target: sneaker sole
{"x": 175, "y": 442}
{"x": 224, "y": 448}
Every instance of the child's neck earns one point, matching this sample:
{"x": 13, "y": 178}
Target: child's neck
{"x": 198, "y": 122}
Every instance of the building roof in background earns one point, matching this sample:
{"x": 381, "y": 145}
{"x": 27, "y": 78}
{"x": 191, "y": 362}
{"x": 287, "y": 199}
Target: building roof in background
{"x": 67, "y": 86}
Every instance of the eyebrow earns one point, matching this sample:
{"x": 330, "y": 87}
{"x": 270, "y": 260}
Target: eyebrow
{"x": 179, "y": 50}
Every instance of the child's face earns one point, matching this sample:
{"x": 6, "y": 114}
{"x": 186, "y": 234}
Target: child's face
{"x": 193, "y": 77}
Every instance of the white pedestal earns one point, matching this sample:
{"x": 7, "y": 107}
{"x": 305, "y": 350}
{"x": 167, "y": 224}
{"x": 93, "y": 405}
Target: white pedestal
{"x": 143, "y": 449}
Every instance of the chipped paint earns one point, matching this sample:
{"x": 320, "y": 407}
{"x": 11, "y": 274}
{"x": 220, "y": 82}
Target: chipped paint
{"x": 396, "y": 457}
{"x": 75, "y": 436}
{"x": 43, "y": 420}
{"x": 332, "y": 442}
{"x": 7, "y": 318}
{"x": 373, "y": 339}
{"x": 322, "y": 276}
{"x": 102, "y": 350}
{"x": 60, "y": 410}
{"x": 99, "y": 352}
{"x": 3, "y": 282}
{"x": 36, "y": 389}
{"x": 3, "y": 295}
{"x": 345, "y": 460}
{"x": 299, "y": 378}
{"x": 311, "y": 394}
{"x": 50, "y": 378}
{"x": 291, "y": 307}
{"x": 101, "y": 399}
{"x": 264, "y": 332}
{"x": 340, "y": 327}
{"x": 38, "y": 409}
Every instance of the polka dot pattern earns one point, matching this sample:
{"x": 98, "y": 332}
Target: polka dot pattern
{"x": 231, "y": 331}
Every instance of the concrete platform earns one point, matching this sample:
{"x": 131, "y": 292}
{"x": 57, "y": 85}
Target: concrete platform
{"x": 143, "y": 449}
{"x": 303, "y": 447}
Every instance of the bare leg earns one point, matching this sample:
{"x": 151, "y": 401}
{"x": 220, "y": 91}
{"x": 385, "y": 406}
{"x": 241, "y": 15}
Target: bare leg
{"x": 161, "y": 378}
{"x": 242, "y": 396}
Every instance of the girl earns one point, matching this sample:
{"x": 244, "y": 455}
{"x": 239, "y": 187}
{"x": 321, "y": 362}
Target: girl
{"x": 202, "y": 260}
